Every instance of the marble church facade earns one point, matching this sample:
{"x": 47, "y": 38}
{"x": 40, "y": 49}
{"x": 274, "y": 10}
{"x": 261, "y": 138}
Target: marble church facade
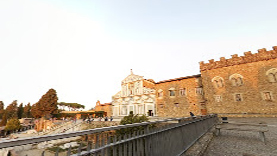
{"x": 137, "y": 95}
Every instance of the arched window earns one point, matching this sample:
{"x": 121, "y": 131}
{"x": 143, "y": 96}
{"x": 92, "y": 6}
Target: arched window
{"x": 236, "y": 80}
{"x": 239, "y": 81}
{"x": 272, "y": 75}
{"x": 218, "y": 82}
{"x": 160, "y": 93}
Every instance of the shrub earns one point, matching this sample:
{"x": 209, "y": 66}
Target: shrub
{"x": 130, "y": 119}
{"x": 12, "y": 125}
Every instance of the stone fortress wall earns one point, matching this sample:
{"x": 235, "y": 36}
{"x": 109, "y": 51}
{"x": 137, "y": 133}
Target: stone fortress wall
{"x": 242, "y": 86}
{"x": 177, "y": 97}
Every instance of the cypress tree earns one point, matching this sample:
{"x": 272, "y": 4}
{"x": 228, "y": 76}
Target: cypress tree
{"x": 1, "y": 109}
{"x": 27, "y": 111}
{"x": 4, "y": 119}
{"x": 46, "y": 106}
{"x": 20, "y": 111}
{"x": 11, "y": 110}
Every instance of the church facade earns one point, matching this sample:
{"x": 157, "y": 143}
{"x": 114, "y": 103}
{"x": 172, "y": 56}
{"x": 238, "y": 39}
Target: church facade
{"x": 137, "y": 95}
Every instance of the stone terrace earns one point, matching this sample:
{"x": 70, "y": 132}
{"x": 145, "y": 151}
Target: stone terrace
{"x": 240, "y": 143}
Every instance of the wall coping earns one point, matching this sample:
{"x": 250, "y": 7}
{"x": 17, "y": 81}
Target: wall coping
{"x": 248, "y": 57}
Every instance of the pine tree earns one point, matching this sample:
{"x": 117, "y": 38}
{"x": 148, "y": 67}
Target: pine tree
{"x": 20, "y": 111}
{"x": 46, "y": 106}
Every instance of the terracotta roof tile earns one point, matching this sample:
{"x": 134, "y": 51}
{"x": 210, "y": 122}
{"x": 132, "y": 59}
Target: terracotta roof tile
{"x": 180, "y": 78}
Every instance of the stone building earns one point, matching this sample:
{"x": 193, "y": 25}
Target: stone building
{"x": 239, "y": 86}
{"x": 106, "y": 108}
{"x": 242, "y": 85}
{"x": 168, "y": 98}
{"x": 177, "y": 97}
{"x": 137, "y": 95}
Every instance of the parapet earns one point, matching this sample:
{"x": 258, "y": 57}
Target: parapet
{"x": 248, "y": 57}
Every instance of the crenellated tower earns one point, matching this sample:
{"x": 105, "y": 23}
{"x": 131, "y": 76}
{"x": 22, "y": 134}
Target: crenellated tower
{"x": 248, "y": 57}
{"x": 242, "y": 85}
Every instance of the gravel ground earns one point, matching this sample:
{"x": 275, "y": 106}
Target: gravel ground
{"x": 245, "y": 143}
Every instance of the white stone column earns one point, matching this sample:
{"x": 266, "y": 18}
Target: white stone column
{"x": 145, "y": 108}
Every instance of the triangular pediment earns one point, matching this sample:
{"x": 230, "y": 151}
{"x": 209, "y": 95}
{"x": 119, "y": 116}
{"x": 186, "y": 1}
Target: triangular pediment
{"x": 117, "y": 95}
{"x": 131, "y": 78}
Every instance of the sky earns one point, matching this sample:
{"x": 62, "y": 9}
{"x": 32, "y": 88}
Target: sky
{"x": 84, "y": 49}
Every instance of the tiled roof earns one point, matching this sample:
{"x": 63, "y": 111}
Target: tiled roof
{"x": 150, "y": 80}
{"x": 180, "y": 78}
{"x": 105, "y": 104}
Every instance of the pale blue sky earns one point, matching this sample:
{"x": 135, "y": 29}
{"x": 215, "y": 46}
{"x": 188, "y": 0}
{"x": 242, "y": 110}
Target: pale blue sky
{"x": 84, "y": 48}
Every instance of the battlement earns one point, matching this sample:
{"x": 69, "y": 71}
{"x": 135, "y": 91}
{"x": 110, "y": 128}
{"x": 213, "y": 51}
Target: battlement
{"x": 248, "y": 57}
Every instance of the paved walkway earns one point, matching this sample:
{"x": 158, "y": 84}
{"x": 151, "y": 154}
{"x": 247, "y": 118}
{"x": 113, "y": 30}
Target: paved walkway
{"x": 240, "y": 143}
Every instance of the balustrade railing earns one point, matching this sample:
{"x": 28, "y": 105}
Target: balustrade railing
{"x": 157, "y": 138}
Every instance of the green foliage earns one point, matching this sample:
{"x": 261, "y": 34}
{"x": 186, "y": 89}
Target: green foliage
{"x": 130, "y": 119}
{"x": 59, "y": 115}
{"x": 71, "y": 106}
{"x": 20, "y": 111}
{"x": 12, "y": 125}
{"x": 46, "y": 106}
{"x": 74, "y": 150}
{"x": 133, "y": 119}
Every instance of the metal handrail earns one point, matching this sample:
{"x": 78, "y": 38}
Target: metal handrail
{"x": 38, "y": 139}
